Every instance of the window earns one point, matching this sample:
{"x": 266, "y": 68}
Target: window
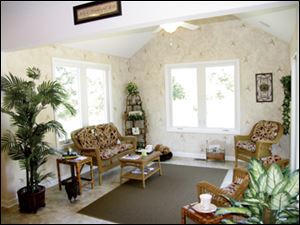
{"x": 88, "y": 86}
{"x": 203, "y": 97}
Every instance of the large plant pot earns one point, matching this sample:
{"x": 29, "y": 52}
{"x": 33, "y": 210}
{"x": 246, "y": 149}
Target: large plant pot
{"x": 31, "y": 202}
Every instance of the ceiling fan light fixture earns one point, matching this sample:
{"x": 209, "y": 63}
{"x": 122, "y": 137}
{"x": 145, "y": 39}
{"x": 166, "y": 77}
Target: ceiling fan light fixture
{"x": 170, "y": 27}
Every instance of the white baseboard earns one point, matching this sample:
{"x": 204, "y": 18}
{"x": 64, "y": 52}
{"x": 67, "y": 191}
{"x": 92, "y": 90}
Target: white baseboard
{"x": 199, "y": 155}
{"x": 230, "y": 158}
{"x": 8, "y": 203}
{"x": 189, "y": 155}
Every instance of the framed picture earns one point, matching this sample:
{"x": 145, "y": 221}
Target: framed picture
{"x": 96, "y": 11}
{"x": 135, "y": 131}
{"x": 264, "y": 87}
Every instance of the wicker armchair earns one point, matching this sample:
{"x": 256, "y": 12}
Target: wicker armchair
{"x": 235, "y": 190}
{"x": 259, "y": 142}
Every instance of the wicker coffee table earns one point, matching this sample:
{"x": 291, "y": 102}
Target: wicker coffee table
{"x": 202, "y": 218}
{"x": 141, "y": 163}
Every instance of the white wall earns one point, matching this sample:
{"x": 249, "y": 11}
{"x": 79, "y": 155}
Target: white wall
{"x": 33, "y": 23}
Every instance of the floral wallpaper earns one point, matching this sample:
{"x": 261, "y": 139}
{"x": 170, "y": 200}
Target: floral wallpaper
{"x": 258, "y": 52}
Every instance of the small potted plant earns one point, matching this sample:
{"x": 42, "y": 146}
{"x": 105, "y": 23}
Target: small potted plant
{"x": 132, "y": 88}
{"x": 23, "y": 101}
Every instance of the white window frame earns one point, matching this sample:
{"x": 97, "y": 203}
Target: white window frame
{"x": 201, "y": 97}
{"x": 83, "y": 65}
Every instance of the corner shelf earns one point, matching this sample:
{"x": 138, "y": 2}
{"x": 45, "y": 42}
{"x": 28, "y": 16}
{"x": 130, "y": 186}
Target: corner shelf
{"x": 134, "y": 109}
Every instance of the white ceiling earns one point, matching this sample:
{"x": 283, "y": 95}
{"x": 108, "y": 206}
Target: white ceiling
{"x": 280, "y": 22}
{"x": 123, "y": 45}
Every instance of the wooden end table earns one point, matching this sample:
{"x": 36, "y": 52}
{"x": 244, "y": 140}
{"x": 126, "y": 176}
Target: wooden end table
{"x": 201, "y": 218}
{"x": 77, "y": 163}
{"x": 141, "y": 163}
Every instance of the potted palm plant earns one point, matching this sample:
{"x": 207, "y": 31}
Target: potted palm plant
{"x": 23, "y": 101}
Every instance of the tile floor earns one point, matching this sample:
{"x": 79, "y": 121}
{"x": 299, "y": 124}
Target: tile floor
{"x": 59, "y": 210}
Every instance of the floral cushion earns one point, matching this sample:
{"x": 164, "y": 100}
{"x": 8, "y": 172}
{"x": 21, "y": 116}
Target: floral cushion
{"x": 247, "y": 145}
{"x": 265, "y": 130}
{"x": 232, "y": 188}
{"x": 87, "y": 138}
{"x": 107, "y": 135}
{"x": 115, "y": 150}
{"x": 270, "y": 159}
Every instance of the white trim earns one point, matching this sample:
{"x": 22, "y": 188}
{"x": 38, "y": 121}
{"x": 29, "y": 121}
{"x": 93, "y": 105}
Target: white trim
{"x": 294, "y": 154}
{"x": 201, "y": 156}
{"x": 83, "y": 103}
{"x": 168, "y": 102}
{"x": 190, "y": 155}
{"x": 109, "y": 93}
{"x": 202, "y": 130}
{"x": 200, "y": 66}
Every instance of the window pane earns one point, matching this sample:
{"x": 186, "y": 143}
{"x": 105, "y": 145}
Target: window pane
{"x": 184, "y": 97}
{"x": 96, "y": 96}
{"x": 69, "y": 78}
{"x": 220, "y": 97}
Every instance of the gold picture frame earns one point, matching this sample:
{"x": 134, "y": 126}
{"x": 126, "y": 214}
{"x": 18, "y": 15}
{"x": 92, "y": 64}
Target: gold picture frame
{"x": 96, "y": 10}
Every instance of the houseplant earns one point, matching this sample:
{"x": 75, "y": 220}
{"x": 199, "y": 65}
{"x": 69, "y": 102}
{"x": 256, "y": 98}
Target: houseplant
{"x": 23, "y": 101}
{"x": 286, "y": 109}
{"x": 132, "y": 88}
{"x": 270, "y": 199}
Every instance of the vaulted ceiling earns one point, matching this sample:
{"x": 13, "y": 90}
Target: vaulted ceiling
{"x": 280, "y": 22}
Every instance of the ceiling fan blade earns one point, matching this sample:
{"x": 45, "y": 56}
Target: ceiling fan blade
{"x": 189, "y": 26}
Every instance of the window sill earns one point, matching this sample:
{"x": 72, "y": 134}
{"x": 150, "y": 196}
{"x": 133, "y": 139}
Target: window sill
{"x": 203, "y": 131}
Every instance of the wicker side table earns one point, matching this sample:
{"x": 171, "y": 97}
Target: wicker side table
{"x": 201, "y": 218}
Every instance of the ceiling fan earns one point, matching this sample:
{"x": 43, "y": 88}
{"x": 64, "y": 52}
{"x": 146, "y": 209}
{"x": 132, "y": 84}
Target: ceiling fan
{"x": 172, "y": 27}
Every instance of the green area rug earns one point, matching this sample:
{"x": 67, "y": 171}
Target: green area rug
{"x": 160, "y": 202}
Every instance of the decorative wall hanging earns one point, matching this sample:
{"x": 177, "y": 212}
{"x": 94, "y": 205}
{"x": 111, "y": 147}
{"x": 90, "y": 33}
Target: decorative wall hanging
{"x": 264, "y": 87}
{"x": 96, "y": 11}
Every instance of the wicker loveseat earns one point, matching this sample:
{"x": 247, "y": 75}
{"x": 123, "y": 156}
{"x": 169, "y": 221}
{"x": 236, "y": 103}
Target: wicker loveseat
{"x": 104, "y": 144}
